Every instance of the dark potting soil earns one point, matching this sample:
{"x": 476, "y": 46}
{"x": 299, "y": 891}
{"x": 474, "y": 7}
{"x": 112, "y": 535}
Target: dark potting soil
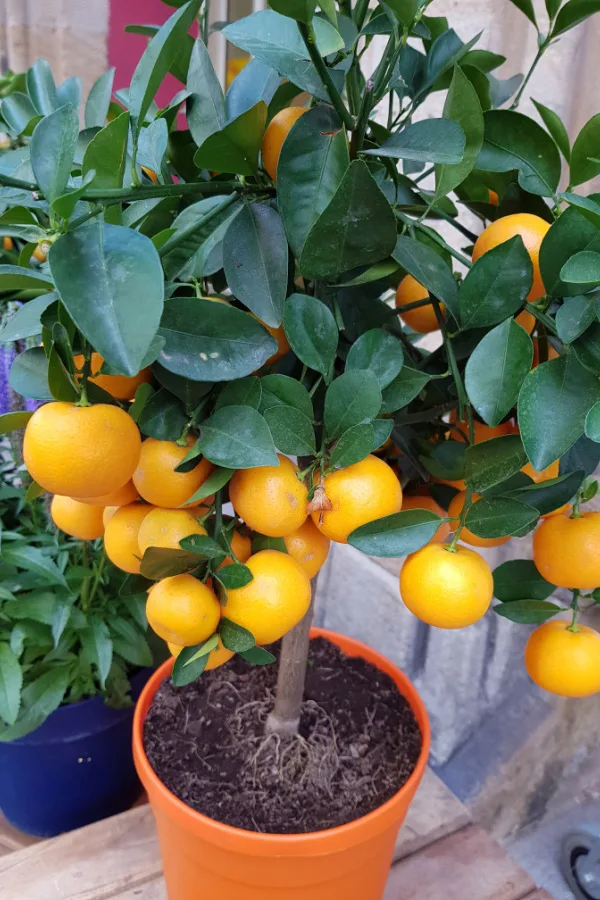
{"x": 359, "y": 742}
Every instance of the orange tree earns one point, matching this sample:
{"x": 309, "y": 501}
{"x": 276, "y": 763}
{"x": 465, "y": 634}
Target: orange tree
{"x": 218, "y": 323}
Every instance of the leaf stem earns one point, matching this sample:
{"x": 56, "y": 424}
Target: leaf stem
{"x": 541, "y": 316}
{"x": 541, "y": 50}
{"x": 310, "y": 40}
{"x": 575, "y": 607}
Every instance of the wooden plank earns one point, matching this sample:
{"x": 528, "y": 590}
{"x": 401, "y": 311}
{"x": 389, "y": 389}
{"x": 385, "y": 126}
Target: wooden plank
{"x": 434, "y": 814}
{"x": 467, "y": 864}
{"x": 537, "y": 895}
{"x": 151, "y": 890}
{"x": 11, "y": 839}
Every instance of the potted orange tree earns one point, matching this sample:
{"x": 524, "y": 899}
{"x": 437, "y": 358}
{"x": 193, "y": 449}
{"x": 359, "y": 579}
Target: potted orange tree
{"x": 242, "y": 271}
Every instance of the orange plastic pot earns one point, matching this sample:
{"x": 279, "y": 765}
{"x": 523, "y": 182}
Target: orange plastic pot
{"x": 204, "y": 858}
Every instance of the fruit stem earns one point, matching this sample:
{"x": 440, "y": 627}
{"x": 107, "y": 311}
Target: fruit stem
{"x": 575, "y": 607}
{"x": 576, "y": 514}
{"x": 85, "y": 374}
{"x": 182, "y": 439}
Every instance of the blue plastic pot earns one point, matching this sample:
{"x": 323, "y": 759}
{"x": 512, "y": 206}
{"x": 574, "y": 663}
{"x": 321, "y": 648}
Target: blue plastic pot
{"x": 75, "y": 769}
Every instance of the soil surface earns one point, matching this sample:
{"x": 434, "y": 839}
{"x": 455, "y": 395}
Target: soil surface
{"x": 358, "y": 744}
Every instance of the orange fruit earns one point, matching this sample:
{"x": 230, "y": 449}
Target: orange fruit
{"x": 455, "y": 509}
{"x": 564, "y": 662}
{"x": 121, "y": 536}
{"x": 79, "y": 451}
{"x": 276, "y": 599}
{"x": 156, "y": 479}
{"x": 241, "y": 544}
{"x": 8, "y": 243}
{"x": 526, "y": 321}
{"x": 283, "y": 346}
{"x": 121, "y": 497}
{"x": 552, "y": 353}
{"x": 493, "y": 197}
{"x": 482, "y": 432}
{"x": 216, "y": 657}
{"x": 545, "y": 475}
{"x": 41, "y": 251}
{"x": 182, "y": 610}
{"x": 77, "y": 519}
{"x": 532, "y": 229}
{"x": 423, "y": 319}
{"x": 151, "y": 174}
{"x": 270, "y": 499}
{"x": 107, "y": 514}
{"x": 276, "y": 133}
{"x": 166, "y": 528}
{"x": 566, "y": 550}
{"x": 446, "y": 589}
{"x": 422, "y": 501}
{"x": 123, "y": 387}
{"x": 361, "y": 493}
{"x": 308, "y": 547}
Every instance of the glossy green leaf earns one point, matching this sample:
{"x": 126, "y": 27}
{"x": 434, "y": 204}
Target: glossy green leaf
{"x": 255, "y": 259}
{"x": 106, "y": 154}
{"x": 379, "y": 352}
{"x": 548, "y": 496}
{"x": 587, "y": 348}
{"x": 16, "y": 278}
{"x": 257, "y": 81}
{"x": 351, "y": 399}
{"x": 429, "y": 140}
{"x": 396, "y": 535}
{"x": 588, "y": 208}
{"x": 119, "y": 309}
{"x": 234, "y": 576}
{"x": 241, "y": 392}
{"x": 557, "y": 129}
{"x": 445, "y": 51}
{"x": 582, "y": 268}
{"x": 301, "y": 10}
{"x": 569, "y": 390}
{"x": 236, "y": 146}
{"x": 592, "y": 423}
{"x": 571, "y": 233}
{"x": 98, "y": 648}
{"x": 312, "y": 164}
{"x": 69, "y": 92}
{"x": 98, "y": 101}
{"x": 152, "y": 145}
{"x": 353, "y": 445}
{"x": 499, "y": 517}
{"x": 280, "y": 390}
{"x": 526, "y": 7}
{"x": 574, "y": 12}
{"x": 496, "y": 370}
{"x": 258, "y": 656}
{"x": 52, "y": 150}
{"x": 492, "y": 462}
{"x": 463, "y": 106}
{"x": 404, "y": 388}
{"x": 404, "y": 10}
{"x": 357, "y": 228}
{"x": 552, "y": 7}
{"x": 519, "y": 579}
{"x": 237, "y": 437}
{"x": 41, "y": 87}
{"x": 25, "y": 322}
{"x": 207, "y": 341}
{"x": 574, "y": 317}
{"x": 18, "y": 112}
{"x": 11, "y": 682}
{"x": 496, "y": 286}
{"x": 202, "y": 545}
{"x": 293, "y": 433}
{"x": 160, "y": 562}
{"x": 514, "y": 141}
{"x": 66, "y": 203}
{"x": 528, "y": 612}
{"x": 206, "y": 106}
{"x": 311, "y": 331}
{"x": 29, "y": 374}
{"x": 234, "y": 637}
{"x": 196, "y": 250}
{"x": 213, "y": 483}
{"x": 11, "y": 421}
{"x": 428, "y": 268}
{"x": 190, "y": 664}
{"x": 163, "y": 417}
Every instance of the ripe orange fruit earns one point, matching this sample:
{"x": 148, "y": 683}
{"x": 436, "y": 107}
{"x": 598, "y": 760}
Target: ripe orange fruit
{"x": 446, "y": 589}
{"x": 107, "y": 514}
{"x": 77, "y": 519}
{"x": 123, "y": 387}
{"x": 482, "y": 432}
{"x": 552, "y": 353}
{"x": 276, "y": 599}
{"x": 493, "y": 197}
{"x": 167, "y": 527}
{"x": 216, "y": 657}
{"x": 564, "y": 662}
{"x": 156, "y": 479}
{"x": 422, "y": 501}
{"x": 151, "y": 174}
{"x": 121, "y": 536}
{"x": 241, "y": 544}
{"x": 81, "y": 451}
{"x": 182, "y": 610}
{"x": 455, "y": 509}
{"x": 270, "y": 499}
{"x": 531, "y": 228}
{"x": 276, "y": 133}
{"x": 121, "y": 497}
{"x": 423, "y": 319}
{"x": 308, "y": 547}
{"x": 41, "y": 251}
{"x": 566, "y": 550}
{"x": 361, "y": 493}
{"x": 8, "y": 243}
{"x": 283, "y": 346}
{"x": 526, "y": 321}
{"x": 545, "y": 475}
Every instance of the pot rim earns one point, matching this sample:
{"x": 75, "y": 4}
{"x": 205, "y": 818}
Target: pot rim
{"x": 350, "y": 833}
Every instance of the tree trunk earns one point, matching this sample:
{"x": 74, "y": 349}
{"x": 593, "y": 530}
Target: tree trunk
{"x": 285, "y": 717}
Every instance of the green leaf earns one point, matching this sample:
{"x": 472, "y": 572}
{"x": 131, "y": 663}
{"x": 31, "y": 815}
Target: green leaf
{"x": 60, "y": 382}
{"x": 52, "y": 150}
{"x": 592, "y": 423}
{"x": 382, "y": 429}
{"x": 98, "y": 648}
{"x": 568, "y": 235}
{"x": 428, "y": 268}
{"x": 16, "y": 278}
{"x": 66, "y": 203}
{"x": 429, "y": 140}
{"x": 396, "y": 535}
{"x": 574, "y": 317}
{"x": 565, "y": 388}
{"x": 98, "y": 101}
{"x": 462, "y": 105}
{"x": 574, "y": 12}
{"x": 206, "y": 106}
{"x": 301, "y": 10}
{"x": 29, "y": 374}
{"x": 106, "y": 154}
{"x": 357, "y": 228}
{"x": 19, "y": 113}
{"x": 119, "y": 309}
{"x": 213, "y": 483}
{"x": 548, "y": 496}
{"x": 351, "y": 399}
{"x": 312, "y": 164}
{"x": 404, "y": 10}
{"x": 38, "y": 606}
{"x": 207, "y": 341}
{"x": 353, "y": 445}
{"x": 242, "y": 392}
{"x": 156, "y": 61}
{"x": 60, "y": 619}
{"x": 496, "y": 370}
{"x": 11, "y": 421}
{"x": 258, "y": 656}
{"x": 276, "y": 40}
{"x": 11, "y": 682}
{"x": 280, "y": 390}
{"x": 236, "y": 146}
{"x": 237, "y": 437}
{"x": 163, "y": 417}
{"x": 492, "y": 462}
{"x": 262, "y": 542}
{"x": 201, "y": 228}
{"x": 293, "y": 433}
{"x": 24, "y": 556}
{"x": 408, "y": 385}
{"x": 528, "y": 612}
{"x": 234, "y": 637}
{"x": 255, "y": 82}
{"x": 234, "y": 576}
{"x": 379, "y": 352}
{"x": 184, "y": 670}
{"x": 499, "y": 517}
{"x": 582, "y": 268}
{"x": 519, "y": 579}
{"x": 497, "y": 285}
{"x": 202, "y": 545}
{"x": 526, "y": 7}
{"x": 311, "y": 331}
{"x": 38, "y": 700}
{"x": 514, "y": 141}
{"x": 585, "y": 205}
{"x": 255, "y": 257}
{"x": 555, "y": 126}
{"x": 41, "y": 87}
{"x": 160, "y": 562}
{"x": 189, "y": 392}
{"x": 129, "y": 642}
